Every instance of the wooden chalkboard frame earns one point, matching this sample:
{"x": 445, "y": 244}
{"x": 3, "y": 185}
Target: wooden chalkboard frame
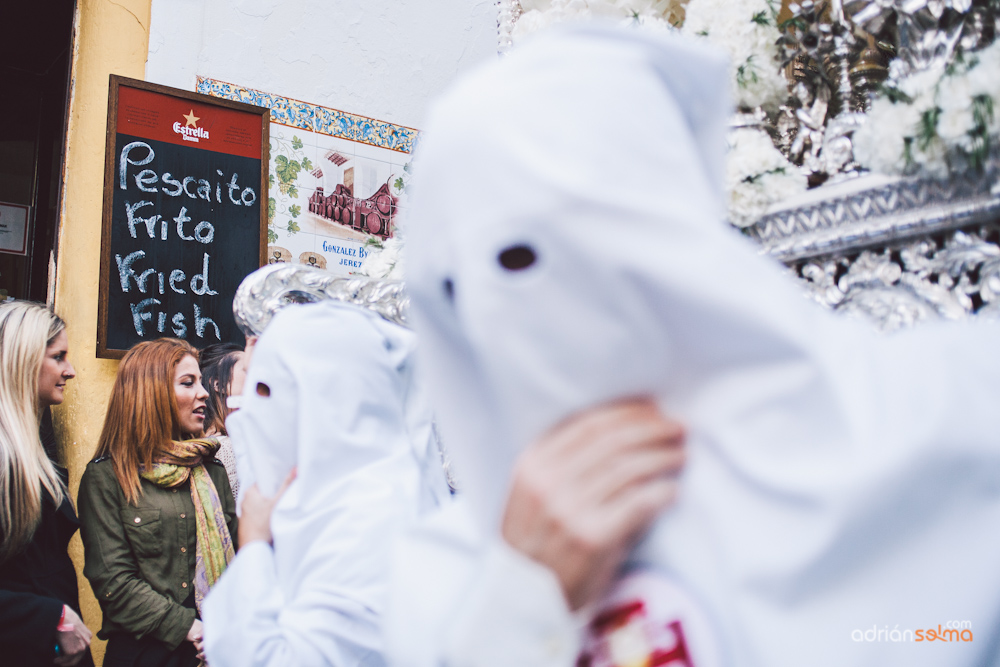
{"x": 116, "y": 82}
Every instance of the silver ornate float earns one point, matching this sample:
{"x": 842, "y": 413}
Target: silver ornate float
{"x": 266, "y": 291}
{"x": 899, "y": 250}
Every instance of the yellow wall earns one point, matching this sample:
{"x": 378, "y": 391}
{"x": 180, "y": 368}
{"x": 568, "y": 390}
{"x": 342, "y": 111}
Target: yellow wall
{"x": 110, "y": 38}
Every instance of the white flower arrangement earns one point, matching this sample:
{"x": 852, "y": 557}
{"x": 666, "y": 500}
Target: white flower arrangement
{"x": 540, "y": 14}
{"x": 933, "y": 117}
{"x": 748, "y": 31}
{"x": 757, "y": 176}
{"x": 384, "y": 260}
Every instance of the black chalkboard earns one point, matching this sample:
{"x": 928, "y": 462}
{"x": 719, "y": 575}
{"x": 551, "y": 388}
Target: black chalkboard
{"x": 184, "y": 214}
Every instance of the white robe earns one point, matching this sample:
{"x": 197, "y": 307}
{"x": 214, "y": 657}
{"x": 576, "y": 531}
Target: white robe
{"x": 838, "y": 481}
{"x": 345, "y": 409}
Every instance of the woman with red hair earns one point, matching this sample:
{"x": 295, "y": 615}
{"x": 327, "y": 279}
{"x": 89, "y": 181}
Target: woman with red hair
{"x": 157, "y": 512}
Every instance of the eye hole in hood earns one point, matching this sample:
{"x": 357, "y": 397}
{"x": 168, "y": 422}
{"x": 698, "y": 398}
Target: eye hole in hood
{"x": 517, "y": 258}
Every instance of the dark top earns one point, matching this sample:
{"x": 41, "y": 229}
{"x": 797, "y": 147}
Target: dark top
{"x": 140, "y": 559}
{"x": 34, "y": 586}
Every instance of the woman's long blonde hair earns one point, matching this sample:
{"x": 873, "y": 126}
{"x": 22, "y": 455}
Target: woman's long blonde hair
{"x": 142, "y": 413}
{"x": 26, "y": 330}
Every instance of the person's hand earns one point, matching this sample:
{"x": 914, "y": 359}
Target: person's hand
{"x": 73, "y": 644}
{"x": 255, "y": 512}
{"x": 586, "y": 491}
{"x": 196, "y": 632}
{"x": 196, "y": 635}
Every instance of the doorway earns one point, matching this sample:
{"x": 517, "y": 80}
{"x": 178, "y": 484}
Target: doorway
{"x": 35, "y": 57}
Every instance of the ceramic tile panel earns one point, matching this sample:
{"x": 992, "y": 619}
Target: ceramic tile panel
{"x": 337, "y": 180}
{"x": 401, "y": 171}
{"x": 320, "y": 119}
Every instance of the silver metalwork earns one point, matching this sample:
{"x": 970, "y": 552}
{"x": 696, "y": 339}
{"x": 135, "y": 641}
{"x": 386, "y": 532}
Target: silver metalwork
{"x": 928, "y": 31}
{"x": 899, "y": 251}
{"x": 838, "y": 53}
{"x": 267, "y": 290}
{"x": 875, "y": 210}
{"x": 922, "y": 280}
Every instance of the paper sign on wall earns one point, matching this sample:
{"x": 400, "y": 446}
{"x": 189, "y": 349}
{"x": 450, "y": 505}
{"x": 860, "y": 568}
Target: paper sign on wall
{"x": 14, "y": 229}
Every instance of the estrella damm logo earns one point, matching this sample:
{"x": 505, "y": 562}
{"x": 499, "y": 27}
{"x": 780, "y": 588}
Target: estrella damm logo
{"x": 190, "y": 130}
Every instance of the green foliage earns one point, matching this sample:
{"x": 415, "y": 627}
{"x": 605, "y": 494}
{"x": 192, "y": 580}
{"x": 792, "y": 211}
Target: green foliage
{"x": 373, "y": 242}
{"x": 746, "y": 73}
{"x": 270, "y": 180}
{"x": 753, "y": 178}
{"x": 762, "y": 18}
{"x": 795, "y": 23}
{"x": 288, "y": 172}
{"x": 402, "y": 183}
{"x": 982, "y": 112}
{"x": 960, "y": 65}
{"x": 702, "y": 33}
{"x": 982, "y": 117}
{"x": 895, "y": 95}
{"x": 927, "y": 128}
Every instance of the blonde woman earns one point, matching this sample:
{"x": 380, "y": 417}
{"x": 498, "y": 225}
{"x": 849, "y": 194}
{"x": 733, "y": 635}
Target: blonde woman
{"x": 39, "y": 608}
{"x": 158, "y": 517}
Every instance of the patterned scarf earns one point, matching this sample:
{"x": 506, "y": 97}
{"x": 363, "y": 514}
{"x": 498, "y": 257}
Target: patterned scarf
{"x": 180, "y": 462}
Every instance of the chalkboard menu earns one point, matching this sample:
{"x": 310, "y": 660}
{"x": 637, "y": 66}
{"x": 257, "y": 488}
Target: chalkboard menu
{"x": 185, "y": 214}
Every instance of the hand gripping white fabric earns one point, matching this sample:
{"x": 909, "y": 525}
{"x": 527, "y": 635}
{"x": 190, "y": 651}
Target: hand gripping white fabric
{"x": 566, "y": 247}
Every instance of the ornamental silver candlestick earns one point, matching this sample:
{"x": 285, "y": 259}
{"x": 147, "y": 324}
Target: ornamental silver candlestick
{"x": 841, "y": 57}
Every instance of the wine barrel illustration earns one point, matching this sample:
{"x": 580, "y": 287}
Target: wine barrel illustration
{"x": 384, "y": 204}
{"x": 312, "y": 259}
{"x": 373, "y": 223}
{"x": 278, "y": 255}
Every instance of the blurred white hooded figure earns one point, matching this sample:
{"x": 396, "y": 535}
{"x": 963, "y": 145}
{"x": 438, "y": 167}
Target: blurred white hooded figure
{"x": 331, "y": 391}
{"x": 566, "y": 247}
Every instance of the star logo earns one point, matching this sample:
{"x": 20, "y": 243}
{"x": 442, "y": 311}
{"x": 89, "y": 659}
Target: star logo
{"x": 192, "y": 120}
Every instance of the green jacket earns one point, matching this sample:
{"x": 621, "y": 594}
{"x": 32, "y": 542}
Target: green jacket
{"x": 140, "y": 560}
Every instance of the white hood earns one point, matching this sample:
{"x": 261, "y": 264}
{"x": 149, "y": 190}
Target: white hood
{"x": 331, "y": 390}
{"x": 837, "y": 479}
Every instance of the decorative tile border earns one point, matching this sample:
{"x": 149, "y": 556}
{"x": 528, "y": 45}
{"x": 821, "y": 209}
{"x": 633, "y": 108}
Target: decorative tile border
{"x": 315, "y": 118}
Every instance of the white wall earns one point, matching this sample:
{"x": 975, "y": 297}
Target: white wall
{"x": 383, "y": 59}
